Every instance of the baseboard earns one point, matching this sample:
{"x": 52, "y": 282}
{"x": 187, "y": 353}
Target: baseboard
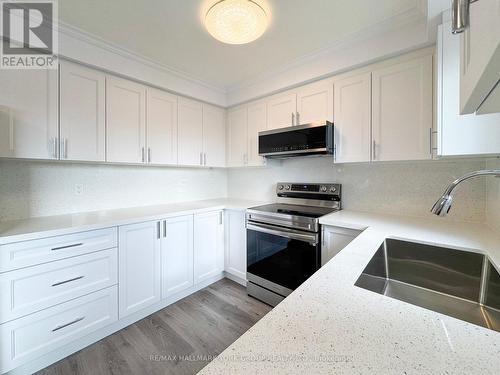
{"x": 235, "y": 278}
{"x": 61, "y": 353}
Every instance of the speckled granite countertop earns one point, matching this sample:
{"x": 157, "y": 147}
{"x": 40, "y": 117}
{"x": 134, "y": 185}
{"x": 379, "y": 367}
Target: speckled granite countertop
{"x": 328, "y": 325}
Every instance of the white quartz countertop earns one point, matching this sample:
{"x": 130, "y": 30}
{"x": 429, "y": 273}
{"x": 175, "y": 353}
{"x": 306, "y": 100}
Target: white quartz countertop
{"x": 328, "y": 325}
{"x": 28, "y": 229}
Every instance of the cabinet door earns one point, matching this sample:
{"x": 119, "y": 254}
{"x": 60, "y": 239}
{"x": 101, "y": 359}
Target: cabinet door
{"x": 480, "y": 59}
{"x": 281, "y": 111}
{"x": 236, "y": 244}
{"x": 257, "y": 122}
{"x": 161, "y": 127}
{"x": 139, "y": 266}
{"x": 28, "y": 114}
{"x": 82, "y": 113}
{"x": 315, "y": 103}
{"x": 237, "y": 137}
{"x": 402, "y": 110}
{"x": 177, "y": 255}
{"x": 214, "y": 136}
{"x": 208, "y": 245}
{"x": 334, "y": 239}
{"x": 190, "y": 132}
{"x": 353, "y": 119}
{"x": 126, "y": 121}
{"x": 459, "y": 135}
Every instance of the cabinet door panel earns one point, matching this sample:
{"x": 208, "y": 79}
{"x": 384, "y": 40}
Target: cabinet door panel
{"x": 214, "y": 136}
{"x": 177, "y": 255}
{"x": 334, "y": 239}
{"x": 28, "y": 114}
{"x": 402, "y": 110}
{"x": 257, "y": 122}
{"x": 82, "y": 113}
{"x": 208, "y": 245}
{"x": 161, "y": 127}
{"x": 139, "y": 266}
{"x": 237, "y": 137}
{"x": 353, "y": 119}
{"x": 315, "y": 103}
{"x": 190, "y": 132}
{"x": 126, "y": 121}
{"x": 281, "y": 111}
{"x": 236, "y": 244}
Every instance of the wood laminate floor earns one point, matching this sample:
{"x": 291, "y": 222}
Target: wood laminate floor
{"x": 196, "y": 328}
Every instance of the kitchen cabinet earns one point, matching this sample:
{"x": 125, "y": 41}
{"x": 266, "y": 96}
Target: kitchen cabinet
{"x": 480, "y": 59}
{"x": 208, "y": 245}
{"x": 190, "y": 132}
{"x": 237, "y": 123}
{"x": 315, "y": 103}
{"x": 125, "y": 121}
{"x": 281, "y": 110}
{"x": 177, "y": 255}
{"x": 139, "y": 266}
{"x": 459, "y": 134}
{"x": 257, "y": 122}
{"x": 161, "y": 121}
{"x": 402, "y": 110}
{"x": 28, "y": 114}
{"x": 334, "y": 239}
{"x": 236, "y": 244}
{"x": 82, "y": 112}
{"x": 214, "y": 136}
{"x": 352, "y": 107}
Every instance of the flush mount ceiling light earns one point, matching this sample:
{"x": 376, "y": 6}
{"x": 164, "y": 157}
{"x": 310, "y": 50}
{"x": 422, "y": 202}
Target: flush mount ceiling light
{"x": 236, "y": 21}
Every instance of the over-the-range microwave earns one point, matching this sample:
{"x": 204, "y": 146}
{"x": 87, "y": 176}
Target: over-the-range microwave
{"x": 301, "y": 140}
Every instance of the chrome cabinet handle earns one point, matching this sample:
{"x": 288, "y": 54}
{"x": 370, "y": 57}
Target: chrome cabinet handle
{"x": 205, "y": 158}
{"x": 65, "y": 148}
{"x": 66, "y": 247}
{"x": 57, "y": 283}
{"x": 57, "y": 328}
{"x": 158, "y": 235}
{"x": 201, "y": 158}
{"x": 142, "y": 154}
{"x": 149, "y": 155}
{"x": 460, "y": 15}
{"x": 374, "y": 150}
{"x": 220, "y": 218}
{"x": 164, "y": 228}
{"x": 62, "y": 148}
{"x": 293, "y": 119}
{"x": 297, "y": 120}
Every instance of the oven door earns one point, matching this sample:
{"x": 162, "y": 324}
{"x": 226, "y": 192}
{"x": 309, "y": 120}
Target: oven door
{"x": 280, "y": 259}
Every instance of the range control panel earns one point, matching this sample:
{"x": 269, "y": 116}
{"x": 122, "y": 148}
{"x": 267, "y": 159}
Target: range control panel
{"x": 308, "y": 191}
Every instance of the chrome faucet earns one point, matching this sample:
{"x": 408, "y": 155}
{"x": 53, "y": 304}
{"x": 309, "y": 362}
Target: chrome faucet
{"x": 443, "y": 205}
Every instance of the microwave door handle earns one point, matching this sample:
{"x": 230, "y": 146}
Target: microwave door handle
{"x": 293, "y": 235}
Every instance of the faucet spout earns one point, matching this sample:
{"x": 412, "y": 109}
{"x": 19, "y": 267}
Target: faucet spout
{"x": 443, "y": 204}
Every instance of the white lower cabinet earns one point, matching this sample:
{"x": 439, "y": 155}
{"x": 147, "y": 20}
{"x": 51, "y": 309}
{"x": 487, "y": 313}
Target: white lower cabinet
{"x": 32, "y": 336}
{"x": 208, "y": 245}
{"x": 139, "y": 266}
{"x": 236, "y": 244}
{"x": 334, "y": 239}
{"x": 177, "y": 255}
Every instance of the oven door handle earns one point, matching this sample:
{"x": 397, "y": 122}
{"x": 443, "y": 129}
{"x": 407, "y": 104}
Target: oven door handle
{"x": 292, "y": 234}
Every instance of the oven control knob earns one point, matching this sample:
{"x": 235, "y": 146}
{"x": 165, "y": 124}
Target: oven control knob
{"x": 287, "y": 187}
{"x": 333, "y": 189}
{"x": 323, "y": 189}
{"x": 280, "y": 187}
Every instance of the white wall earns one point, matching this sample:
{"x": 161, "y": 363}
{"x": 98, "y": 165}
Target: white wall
{"x": 406, "y": 187}
{"x": 30, "y": 189}
{"x": 493, "y": 197}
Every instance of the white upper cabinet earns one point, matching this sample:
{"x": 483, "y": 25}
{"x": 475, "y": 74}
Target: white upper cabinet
{"x": 402, "y": 110}
{"x": 315, "y": 103}
{"x": 281, "y": 111}
{"x": 28, "y": 114}
{"x": 214, "y": 136}
{"x": 257, "y": 122}
{"x": 353, "y": 118}
{"x": 126, "y": 121}
{"x": 459, "y": 135}
{"x": 177, "y": 255}
{"x": 82, "y": 113}
{"x": 208, "y": 245}
{"x": 237, "y": 137}
{"x": 190, "y": 132}
{"x": 161, "y": 127}
{"x": 480, "y": 59}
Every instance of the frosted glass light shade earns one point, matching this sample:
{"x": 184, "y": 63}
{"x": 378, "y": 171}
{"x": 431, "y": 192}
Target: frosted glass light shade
{"x": 236, "y": 21}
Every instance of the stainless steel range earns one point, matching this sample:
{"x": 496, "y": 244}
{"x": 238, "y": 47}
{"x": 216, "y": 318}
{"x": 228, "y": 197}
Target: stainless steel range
{"x": 284, "y": 238}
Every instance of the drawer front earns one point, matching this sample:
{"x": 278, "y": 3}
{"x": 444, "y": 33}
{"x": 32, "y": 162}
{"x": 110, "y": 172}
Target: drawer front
{"x": 32, "y": 289}
{"x": 30, "y": 253}
{"x": 25, "y": 339}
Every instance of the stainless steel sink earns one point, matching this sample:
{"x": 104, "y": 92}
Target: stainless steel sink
{"x": 461, "y": 284}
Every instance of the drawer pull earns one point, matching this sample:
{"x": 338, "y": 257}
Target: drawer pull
{"x": 66, "y": 247}
{"x": 57, "y": 283}
{"x": 57, "y": 328}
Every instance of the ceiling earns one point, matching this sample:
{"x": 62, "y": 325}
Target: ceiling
{"x": 171, "y": 32}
